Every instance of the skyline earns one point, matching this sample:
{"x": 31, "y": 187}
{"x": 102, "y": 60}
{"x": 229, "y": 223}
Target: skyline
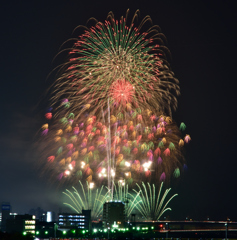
{"x": 200, "y": 39}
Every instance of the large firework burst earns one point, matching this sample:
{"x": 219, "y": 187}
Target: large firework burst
{"x": 121, "y": 62}
{"x": 134, "y": 145}
{"x": 112, "y": 104}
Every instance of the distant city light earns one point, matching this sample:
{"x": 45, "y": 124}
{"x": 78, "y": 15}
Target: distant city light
{"x": 49, "y": 217}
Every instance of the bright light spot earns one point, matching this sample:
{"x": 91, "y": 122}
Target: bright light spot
{"x": 122, "y": 182}
{"x": 49, "y": 217}
{"x": 67, "y": 172}
{"x": 91, "y": 185}
{"x": 70, "y": 166}
{"x": 127, "y": 164}
{"x": 126, "y": 174}
{"x": 115, "y": 225}
{"x": 147, "y": 165}
{"x": 102, "y": 173}
{"x": 83, "y": 164}
{"x": 112, "y": 173}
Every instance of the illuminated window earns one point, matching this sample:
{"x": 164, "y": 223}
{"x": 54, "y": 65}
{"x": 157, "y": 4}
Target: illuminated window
{"x": 29, "y": 221}
{"x": 30, "y": 227}
{"x": 33, "y": 232}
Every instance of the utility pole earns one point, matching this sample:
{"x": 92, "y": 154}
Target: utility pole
{"x": 55, "y": 229}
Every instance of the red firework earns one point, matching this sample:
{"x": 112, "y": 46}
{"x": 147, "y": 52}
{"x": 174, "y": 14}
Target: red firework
{"x": 122, "y": 91}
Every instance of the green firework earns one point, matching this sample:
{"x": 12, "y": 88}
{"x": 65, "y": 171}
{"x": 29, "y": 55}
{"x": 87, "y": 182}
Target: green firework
{"x": 90, "y": 199}
{"x": 152, "y": 205}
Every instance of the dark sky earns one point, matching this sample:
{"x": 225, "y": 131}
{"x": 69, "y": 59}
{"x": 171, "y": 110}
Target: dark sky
{"x": 202, "y": 39}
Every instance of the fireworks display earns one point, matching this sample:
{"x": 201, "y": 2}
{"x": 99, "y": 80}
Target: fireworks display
{"x": 119, "y": 61}
{"x": 149, "y": 203}
{"x": 111, "y": 121}
{"x": 87, "y": 199}
{"x": 135, "y": 145}
{"x": 152, "y": 205}
{"x": 121, "y": 193}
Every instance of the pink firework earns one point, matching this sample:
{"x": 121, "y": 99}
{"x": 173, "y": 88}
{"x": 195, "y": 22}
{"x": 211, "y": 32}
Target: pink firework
{"x": 122, "y": 91}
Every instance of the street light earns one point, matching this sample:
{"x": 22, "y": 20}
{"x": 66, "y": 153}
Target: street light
{"x": 167, "y": 230}
{"x": 226, "y": 230}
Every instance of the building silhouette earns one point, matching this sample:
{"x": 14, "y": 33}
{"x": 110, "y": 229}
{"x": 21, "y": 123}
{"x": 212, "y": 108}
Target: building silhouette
{"x": 21, "y": 224}
{"x": 5, "y": 209}
{"x": 75, "y": 220}
{"x": 113, "y": 214}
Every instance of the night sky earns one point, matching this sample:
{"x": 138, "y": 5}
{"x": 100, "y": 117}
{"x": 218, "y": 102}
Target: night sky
{"x": 201, "y": 36}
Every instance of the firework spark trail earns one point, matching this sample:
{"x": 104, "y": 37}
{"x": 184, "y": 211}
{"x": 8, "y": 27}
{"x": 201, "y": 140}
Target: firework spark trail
{"x": 121, "y": 193}
{"x": 90, "y": 200}
{"x": 150, "y": 205}
{"x": 110, "y": 176}
{"x": 94, "y": 200}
